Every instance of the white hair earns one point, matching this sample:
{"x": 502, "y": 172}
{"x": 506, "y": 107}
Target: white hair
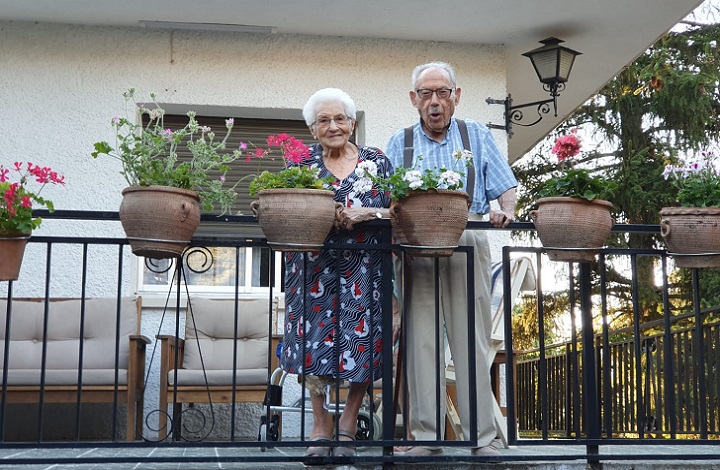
{"x": 327, "y": 96}
{"x": 434, "y": 65}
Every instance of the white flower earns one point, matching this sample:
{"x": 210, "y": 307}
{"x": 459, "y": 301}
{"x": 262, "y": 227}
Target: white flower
{"x": 448, "y": 179}
{"x": 414, "y": 177}
{"x": 362, "y": 185}
{"x": 156, "y": 113}
{"x": 366, "y": 167}
{"x": 465, "y": 156}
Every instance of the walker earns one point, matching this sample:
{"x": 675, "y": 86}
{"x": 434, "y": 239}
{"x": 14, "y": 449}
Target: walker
{"x": 272, "y": 407}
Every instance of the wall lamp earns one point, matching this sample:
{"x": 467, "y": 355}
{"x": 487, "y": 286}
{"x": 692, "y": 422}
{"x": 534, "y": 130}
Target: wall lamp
{"x": 552, "y": 63}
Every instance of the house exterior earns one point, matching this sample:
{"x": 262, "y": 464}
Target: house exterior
{"x": 63, "y": 74}
{"x": 64, "y": 71}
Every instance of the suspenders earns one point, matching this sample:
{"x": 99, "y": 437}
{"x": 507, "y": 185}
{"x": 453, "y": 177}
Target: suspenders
{"x": 462, "y": 126}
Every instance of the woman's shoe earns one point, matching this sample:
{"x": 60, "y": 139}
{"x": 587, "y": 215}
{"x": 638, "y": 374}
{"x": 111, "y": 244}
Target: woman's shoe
{"x": 345, "y": 451}
{"x": 319, "y": 451}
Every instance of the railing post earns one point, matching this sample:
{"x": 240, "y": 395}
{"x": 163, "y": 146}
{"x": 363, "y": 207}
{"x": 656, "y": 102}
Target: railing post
{"x": 591, "y": 414}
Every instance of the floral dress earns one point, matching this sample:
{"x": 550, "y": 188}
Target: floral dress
{"x": 347, "y": 312}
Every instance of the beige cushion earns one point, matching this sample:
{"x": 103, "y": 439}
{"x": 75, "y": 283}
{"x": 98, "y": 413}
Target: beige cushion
{"x": 63, "y": 345}
{"x": 211, "y": 333}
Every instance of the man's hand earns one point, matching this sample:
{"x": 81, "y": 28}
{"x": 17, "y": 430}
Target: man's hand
{"x": 500, "y": 219}
{"x": 506, "y": 214}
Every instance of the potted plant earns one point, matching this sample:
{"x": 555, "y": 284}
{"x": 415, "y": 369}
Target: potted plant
{"x": 572, "y": 215}
{"x": 160, "y": 210}
{"x": 295, "y": 208}
{"x": 433, "y": 196}
{"x": 16, "y": 206}
{"x": 692, "y": 231}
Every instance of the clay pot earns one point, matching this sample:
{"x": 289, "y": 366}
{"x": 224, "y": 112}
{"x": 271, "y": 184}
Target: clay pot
{"x": 12, "y": 250}
{"x": 575, "y": 227}
{"x": 295, "y": 219}
{"x": 159, "y": 221}
{"x": 692, "y": 235}
{"x": 430, "y": 223}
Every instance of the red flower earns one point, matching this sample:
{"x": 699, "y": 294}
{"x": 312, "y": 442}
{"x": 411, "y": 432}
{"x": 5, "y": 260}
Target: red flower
{"x": 17, "y": 200}
{"x": 567, "y": 146}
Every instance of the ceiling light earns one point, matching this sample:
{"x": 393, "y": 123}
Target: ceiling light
{"x": 218, "y": 27}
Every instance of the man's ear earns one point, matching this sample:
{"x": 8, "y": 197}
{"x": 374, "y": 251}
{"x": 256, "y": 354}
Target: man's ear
{"x": 458, "y": 90}
{"x": 413, "y": 98}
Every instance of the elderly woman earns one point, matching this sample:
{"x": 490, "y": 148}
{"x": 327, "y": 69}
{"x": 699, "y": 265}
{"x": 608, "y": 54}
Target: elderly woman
{"x": 337, "y": 318}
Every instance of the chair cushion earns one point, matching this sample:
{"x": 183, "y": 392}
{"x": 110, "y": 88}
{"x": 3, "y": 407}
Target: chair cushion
{"x": 219, "y": 377}
{"x": 63, "y": 345}
{"x": 209, "y": 333}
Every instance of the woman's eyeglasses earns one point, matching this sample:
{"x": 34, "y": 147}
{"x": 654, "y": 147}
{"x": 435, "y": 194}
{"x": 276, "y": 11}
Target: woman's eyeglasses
{"x": 340, "y": 121}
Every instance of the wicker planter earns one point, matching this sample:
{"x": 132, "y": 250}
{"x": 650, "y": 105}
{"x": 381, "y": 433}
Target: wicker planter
{"x": 12, "y": 250}
{"x": 295, "y": 219}
{"x": 692, "y": 235}
{"x": 159, "y": 221}
{"x": 430, "y": 223}
{"x": 572, "y": 229}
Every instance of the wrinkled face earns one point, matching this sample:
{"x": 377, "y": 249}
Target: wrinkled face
{"x": 332, "y": 127}
{"x": 435, "y": 111}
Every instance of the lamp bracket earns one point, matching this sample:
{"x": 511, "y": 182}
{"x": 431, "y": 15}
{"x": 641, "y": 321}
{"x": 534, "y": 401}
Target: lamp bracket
{"x": 513, "y": 115}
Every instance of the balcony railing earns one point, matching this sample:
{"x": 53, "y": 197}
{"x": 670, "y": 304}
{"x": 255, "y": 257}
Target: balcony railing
{"x": 620, "y": 391}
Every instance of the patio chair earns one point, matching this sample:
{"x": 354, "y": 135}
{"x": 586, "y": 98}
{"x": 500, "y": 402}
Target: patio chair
{"x": 106, "y": 364}
{"x": 199, "y": 368}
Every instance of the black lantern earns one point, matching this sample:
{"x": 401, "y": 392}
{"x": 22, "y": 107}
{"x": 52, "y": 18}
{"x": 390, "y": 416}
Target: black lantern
{"x": 553, "y": 64}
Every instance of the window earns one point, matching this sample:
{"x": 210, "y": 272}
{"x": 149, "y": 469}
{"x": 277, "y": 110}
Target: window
{"x": 212, "y": 269}
{"x": 254, "y": 131}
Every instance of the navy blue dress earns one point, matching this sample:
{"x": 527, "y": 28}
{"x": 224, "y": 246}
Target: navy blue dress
{"x": 354, "y": 304}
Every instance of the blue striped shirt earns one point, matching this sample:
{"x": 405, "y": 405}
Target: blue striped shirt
{"x": 493, "y": 175}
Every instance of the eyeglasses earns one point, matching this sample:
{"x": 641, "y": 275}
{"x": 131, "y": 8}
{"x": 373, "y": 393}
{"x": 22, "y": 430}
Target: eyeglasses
{"x": 340, "y": 121}
{"x": 442, "y": 93}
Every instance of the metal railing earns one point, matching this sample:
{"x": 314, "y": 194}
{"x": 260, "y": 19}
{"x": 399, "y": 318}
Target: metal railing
{"x": 565, "y": 394}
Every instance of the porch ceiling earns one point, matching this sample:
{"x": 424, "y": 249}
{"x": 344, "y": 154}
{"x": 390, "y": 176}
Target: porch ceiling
{"x": 609, "y": 33}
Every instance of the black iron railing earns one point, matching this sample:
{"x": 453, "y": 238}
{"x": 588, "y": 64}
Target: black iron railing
{"x": 619, "y": 392}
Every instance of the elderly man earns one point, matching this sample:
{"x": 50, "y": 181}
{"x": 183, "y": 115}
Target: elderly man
{"x": 435, "y": 137}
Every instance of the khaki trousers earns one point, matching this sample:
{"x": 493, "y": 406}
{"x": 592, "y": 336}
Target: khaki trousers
{"x": 420, "y": 342}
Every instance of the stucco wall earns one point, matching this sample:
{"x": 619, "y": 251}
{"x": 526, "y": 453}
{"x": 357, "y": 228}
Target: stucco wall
{"x": 60, "y": 86}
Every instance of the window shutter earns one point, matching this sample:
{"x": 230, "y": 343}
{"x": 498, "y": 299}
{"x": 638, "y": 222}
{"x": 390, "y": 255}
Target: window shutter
{"x": 253, "y": 132}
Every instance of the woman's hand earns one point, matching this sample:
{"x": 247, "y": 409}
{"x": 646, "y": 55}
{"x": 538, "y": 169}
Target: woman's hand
{"x": 349, "y": 216}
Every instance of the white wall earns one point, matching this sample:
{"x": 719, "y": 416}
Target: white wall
{"x": 61, "y": 85}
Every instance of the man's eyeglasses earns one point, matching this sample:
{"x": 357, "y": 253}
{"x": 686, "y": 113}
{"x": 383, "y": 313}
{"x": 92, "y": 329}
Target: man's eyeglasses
{"x": 340, "y": 121}
{"x": 426, "y": 93}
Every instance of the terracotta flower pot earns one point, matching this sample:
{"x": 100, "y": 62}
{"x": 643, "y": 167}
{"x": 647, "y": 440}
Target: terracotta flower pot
{"x": 692, "y": 235}
{"x": 159, "y": 221}
{"x": 566, "y": 223}
{"x": 295, "y": 219}
{"x": 430, "y": 223}
{"x": 12, "y": 250}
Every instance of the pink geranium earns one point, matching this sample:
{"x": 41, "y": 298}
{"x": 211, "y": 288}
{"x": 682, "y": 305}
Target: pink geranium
{"x": 293, "y": 150}
{"x": 567, "y": 146}
{"x": 17, "y": 200}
